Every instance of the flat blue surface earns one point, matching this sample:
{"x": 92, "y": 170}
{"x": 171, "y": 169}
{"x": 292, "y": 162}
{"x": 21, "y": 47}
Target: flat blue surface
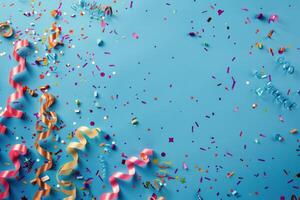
{"x": 169, "y": 82}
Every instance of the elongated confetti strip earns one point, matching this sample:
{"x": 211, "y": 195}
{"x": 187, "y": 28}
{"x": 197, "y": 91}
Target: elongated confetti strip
{"x": 9, "y": 111}
{"x": 6, "y": 30}
{"x": 49, "y": 118}
{"x": 14, "y": 153}
{"x": 54, "y": 36}
{"x": 131, "y": 171}
{"x": 68, "y": 167}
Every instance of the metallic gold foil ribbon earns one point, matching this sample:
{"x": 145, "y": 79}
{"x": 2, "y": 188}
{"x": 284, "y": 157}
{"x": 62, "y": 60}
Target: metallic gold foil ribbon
{"x": 68, "y": 167}
{"x": 49, "y": 118}
{"x": 131, "y": 171}
{"x": 52, "y": 39}
{"x": 6, "y": 30}
{"x": 14, "y": 153}
{"x": 9, "y": 111}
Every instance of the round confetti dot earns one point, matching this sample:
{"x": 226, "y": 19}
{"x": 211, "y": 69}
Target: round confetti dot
{"x": 163, "y": 154}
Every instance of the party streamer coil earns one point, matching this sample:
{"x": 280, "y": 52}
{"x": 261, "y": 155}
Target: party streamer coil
{"x": 14, "y": 153}
{"x": 68, "y": 167}
{"x": 9, "y": 111}
{"x": 131, "y": 171}
{"x": 49, "y": 118}
{"x": 6, "y": 30}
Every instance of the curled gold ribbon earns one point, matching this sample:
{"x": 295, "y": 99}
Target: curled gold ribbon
{"x": 49, "y": 118}
{"x": 6, "y": 30}
{"x": 54, "y": 36}
{"x": 67, "y": 168}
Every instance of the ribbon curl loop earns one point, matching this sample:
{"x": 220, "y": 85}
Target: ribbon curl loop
{"x": 49, "y": 118}
{"x": 9, "y": 111}
{"x": 6, "y": 30}
{"x": 131, "y": 171}
{"x": 68, "y": 167}
{"x": 14, "y": 153}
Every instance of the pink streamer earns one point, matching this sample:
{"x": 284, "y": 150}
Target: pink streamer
{"x": 14, "y": 153}
{"x": 9, "y": 111}
{"x": 131, "y": 171}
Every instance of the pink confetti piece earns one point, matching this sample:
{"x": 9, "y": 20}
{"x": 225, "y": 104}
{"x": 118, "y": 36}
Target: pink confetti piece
{"x": 273, "y": 18}
{"x": 103, "y": 24}
{"x": 185, "y": 166}
{"x": 135, "y": 35}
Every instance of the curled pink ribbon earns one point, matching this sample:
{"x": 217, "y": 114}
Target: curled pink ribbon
{"x": 131, "y": 171}
{"x": 9, "y": 111}
{"x": 14, "y": 153}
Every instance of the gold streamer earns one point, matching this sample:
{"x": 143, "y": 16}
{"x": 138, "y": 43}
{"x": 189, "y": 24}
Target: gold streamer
{"x": 30, "y": 91}
{"x": 49, "y": 118}
{"x": 53, "y": 37}
{"x": 68, "y": 167}
{"x": 6, "y": 30}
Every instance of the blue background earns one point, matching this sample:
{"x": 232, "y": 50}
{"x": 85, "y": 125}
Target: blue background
{"x": 172, "y": 73}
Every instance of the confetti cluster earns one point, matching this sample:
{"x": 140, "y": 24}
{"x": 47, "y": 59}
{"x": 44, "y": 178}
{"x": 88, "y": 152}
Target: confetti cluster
{"x": 209, "y": 90}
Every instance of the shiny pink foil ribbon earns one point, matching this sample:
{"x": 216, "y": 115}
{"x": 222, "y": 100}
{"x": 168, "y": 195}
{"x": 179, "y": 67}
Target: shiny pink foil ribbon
{"x": 131, "y": 171}
{"x": 14, "y": 153}
{"x": 9, "y": 111}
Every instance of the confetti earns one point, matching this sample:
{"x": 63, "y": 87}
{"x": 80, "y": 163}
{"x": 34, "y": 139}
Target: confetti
{"x": 273, "y": 18}
{"x": 135, "y": 35}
